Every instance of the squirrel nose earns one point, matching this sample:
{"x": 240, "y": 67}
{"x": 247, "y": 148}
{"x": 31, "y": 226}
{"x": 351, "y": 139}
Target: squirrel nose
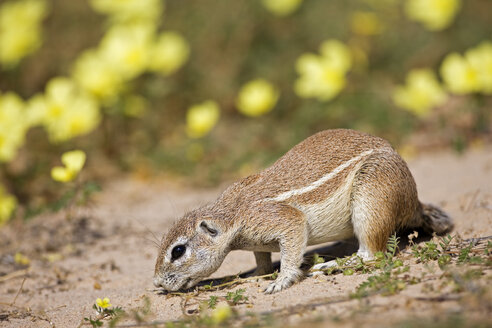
{"x": 157, "y": 281}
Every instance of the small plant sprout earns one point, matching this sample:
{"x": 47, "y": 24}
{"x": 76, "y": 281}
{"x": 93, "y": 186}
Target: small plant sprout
{"x": 318, "y": 259}
{"x": 209, "y": 286}
{"x": 388, "y": 280}
{"x": 212, "y": 302}
{"x": 104, "y": 310}
{"x": 432, "y": 251}
{"x": 392, "y": 245}
{"x": 236, "y": 297}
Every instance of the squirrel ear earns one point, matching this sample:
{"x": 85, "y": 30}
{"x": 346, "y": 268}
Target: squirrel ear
{"x": 209, "y": 228}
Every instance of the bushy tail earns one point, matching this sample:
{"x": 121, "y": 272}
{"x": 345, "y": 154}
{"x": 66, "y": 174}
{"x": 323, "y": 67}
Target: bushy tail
{"x": 435, "y": 220}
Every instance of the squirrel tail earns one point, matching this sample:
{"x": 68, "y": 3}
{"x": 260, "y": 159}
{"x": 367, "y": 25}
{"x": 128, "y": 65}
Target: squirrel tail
{"x": 435, "y": 220}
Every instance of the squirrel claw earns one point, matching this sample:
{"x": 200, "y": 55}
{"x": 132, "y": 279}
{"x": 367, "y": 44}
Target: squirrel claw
{"x": 274, "y": 287}
{"x": 280, "y": 284}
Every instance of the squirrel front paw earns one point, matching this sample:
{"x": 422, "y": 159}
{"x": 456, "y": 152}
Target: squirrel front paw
{"x": 278, "y": 285}
{"x": 282, "y": 282}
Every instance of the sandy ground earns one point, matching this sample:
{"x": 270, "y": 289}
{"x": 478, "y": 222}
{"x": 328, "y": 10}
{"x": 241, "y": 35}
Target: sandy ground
{"x": 108, "y": 250}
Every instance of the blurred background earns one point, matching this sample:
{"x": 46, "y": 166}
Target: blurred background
{"x": 207, "y": 91}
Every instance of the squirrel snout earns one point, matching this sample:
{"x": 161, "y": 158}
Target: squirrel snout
{"x": 157, "y": 281}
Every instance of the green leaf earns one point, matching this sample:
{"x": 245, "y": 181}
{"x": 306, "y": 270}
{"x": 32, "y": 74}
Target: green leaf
{"x": 212, "y": 302}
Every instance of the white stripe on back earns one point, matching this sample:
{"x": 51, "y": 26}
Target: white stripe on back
{"x": 321, "y": 181}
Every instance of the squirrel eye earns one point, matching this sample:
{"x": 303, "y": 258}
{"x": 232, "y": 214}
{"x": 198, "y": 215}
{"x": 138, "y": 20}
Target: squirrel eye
{"x": 177, "y": 252}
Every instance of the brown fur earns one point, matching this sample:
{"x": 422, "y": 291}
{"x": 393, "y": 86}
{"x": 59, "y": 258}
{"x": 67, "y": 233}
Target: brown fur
{"x": 333, "y": 185}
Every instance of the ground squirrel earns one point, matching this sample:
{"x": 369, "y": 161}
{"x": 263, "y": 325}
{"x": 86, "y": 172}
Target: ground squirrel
{"x": 334, "y": 185}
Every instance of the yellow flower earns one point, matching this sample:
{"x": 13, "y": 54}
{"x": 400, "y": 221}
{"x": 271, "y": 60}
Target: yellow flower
{"x": 282, "y": 7}
{"x": 323, "y": 77}
{"x": 434, "y": 14}
{"x": 21, "y": 259}
{"x": 222, "y": 313}
{"x": 126, "y": 48}
{"x": 104, "y": 303}
{"x": 97, "y": 76}
{"x": 74, "y": 161}
{"x": 66, "y": 110}
{"x": 20, "y": 31}
{"x": 459, "y": 75}
{"x": 35, "y": 110}
{"x": 169, "y": 53}
{"x": 421, "y": 93}
{"x": 480, "y": 58}
{"x": 13, "y": 125}
{"x": 201, "y": 118}
{"x": 336, "y": 54}
{"x": 257, "y": 97}
{"x": 8, "y": 203}
{"x": 125, "y": 11}
{"x": 471, "y": 72}
{"x": 365, "y": 23}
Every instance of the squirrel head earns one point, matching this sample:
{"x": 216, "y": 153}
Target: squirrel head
{"x": 193, "y": 249}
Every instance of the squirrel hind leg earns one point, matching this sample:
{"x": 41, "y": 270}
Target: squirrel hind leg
{"x": 263, "y": 263}
{"x": 373, "y": 224}
{"x": 384, "y": 199}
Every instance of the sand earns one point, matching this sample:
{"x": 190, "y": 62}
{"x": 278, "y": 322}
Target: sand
{"x": 108, "y": 250}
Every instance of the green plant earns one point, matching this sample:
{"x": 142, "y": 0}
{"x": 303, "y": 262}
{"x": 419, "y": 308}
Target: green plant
{"x": 212, "y": 302}
{"x": 317, "y": 259}
{"x": 432, "y": 251}
{"x": 388, "y": 281}
{"x": 103, "y": 313}
{"x": 236, "y": 297}
{"x": 464, "y": 255}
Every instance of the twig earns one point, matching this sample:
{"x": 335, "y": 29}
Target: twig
{"x": 14, "y": 306}
{"x": 43, "y": 316}
{"x": 13, "y": 275}
{"x": 19, "y": 291}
